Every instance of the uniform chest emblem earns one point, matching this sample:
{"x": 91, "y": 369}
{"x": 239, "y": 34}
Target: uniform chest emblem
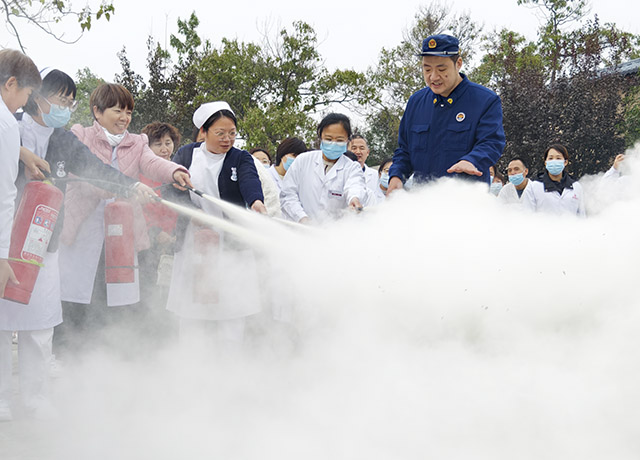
{"x": 234, "y": 174}
{"x": 460, "y": 117}
{"x": 60, "y": 172}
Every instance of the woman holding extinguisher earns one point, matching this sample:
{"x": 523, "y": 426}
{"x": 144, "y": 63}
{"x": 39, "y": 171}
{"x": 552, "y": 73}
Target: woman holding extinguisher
{"x": 47, "y": 145}
{"x": 214, "y": 286}
{"x": 82, "y": 255}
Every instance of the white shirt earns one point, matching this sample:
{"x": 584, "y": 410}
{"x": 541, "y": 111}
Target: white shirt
{"x": 9, "y": 158}
{"x": 570, "y": 202}
{"x": 277, "y": 178}
{"x": 509, "y": 194}
{"x": 270, "y": 190}
{"x": 308, "y": 192}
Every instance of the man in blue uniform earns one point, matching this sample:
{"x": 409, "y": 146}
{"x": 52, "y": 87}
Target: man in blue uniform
{"x": 451, "y": 128}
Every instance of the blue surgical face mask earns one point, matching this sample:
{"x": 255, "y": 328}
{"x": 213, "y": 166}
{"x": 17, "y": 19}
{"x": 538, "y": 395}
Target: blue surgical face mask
{"x": 555, "y": 167}
{"x": 287, "y": 164}
{"x": 58, "y": 117}
{"x": 384, "y": 180}
{"x": 333, "y": 150}
{"x": 266, "y": 166}
{"x": 516, "y": 179}
{"x": 495, "y": 188}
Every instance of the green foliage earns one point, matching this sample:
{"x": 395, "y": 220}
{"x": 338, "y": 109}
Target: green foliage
{"x": 567, "y": 97}
{"x": 86, "y": 82}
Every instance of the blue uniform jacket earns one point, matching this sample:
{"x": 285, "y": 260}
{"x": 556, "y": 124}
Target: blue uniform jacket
{"x": 241, "y": 188}
{"x": 437, "y": 132}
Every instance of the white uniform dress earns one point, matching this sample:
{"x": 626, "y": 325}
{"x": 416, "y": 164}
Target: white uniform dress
{"x": 571, "y": 201}
{"x": 35, "y": 321}
{"x": 79, "y": 262}
{"x": 229, "y": 272}
{"x": 307, "y": 191}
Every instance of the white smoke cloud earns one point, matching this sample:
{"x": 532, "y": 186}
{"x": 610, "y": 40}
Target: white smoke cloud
{"x": 439, "y": 325}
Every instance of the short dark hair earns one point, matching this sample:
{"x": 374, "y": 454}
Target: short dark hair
{"x": 55, "y": 82}
{"x": 383, "y": 163}
{"x": 258, "y": 149}
{"x": 454, "y": 58}
{"x": 290, "y": 145}
{"x": 335, "y": 119}
{"x": 109, "y": 95}
{"x": 498, "y": 174}
{"x": 521, "y": 160}
{"x": 558, "y": 147}
{"x": 350, "y": 155}
{"x": 216, "y": 116}
{"x": 157, "y": 130}
{"x": 13, "y": 63}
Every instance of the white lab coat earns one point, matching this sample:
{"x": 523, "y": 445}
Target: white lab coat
{"x": 371, "y": 178}
{"x": 308, "y": 192}
{"x": 509, "y": 194}
{"x": 270, "y": 190}
{"x": 79, "y": 261}
{"x": 9, "y": 157}
{"x": 44, "y": 310}
{"x": 277, "y": 178}
{"x": 570, "y": 202}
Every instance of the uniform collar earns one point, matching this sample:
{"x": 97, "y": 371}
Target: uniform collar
{"x": 455, "y": 94}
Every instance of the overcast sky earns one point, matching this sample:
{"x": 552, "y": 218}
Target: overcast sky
{"x": 351, "y": 32}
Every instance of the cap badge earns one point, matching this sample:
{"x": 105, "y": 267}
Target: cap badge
{"x": 432, "y": 43}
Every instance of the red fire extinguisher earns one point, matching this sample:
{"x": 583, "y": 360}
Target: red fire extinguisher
{"x": 205, "y": 263}
{"x": 33, "y": 227}
{"x": 119, "y": 243}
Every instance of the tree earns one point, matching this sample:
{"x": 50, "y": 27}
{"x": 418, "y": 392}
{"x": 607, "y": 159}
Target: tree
{"x": 86, "y": 82}
{"x": 47, "y": 15}
{"x": 582, "y": 106}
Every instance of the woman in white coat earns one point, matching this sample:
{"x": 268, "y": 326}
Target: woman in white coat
{"x": 555, "y": 191}
{"x": 320, "y": 185}
{"x": 18, "y": 78}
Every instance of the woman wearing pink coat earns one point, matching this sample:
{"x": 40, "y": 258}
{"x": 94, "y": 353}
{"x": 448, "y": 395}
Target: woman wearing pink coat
{"x": 85, "y": 293}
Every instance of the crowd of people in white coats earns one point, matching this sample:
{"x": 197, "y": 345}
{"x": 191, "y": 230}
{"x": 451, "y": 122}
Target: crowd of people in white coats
{"x": 73, "y": 309}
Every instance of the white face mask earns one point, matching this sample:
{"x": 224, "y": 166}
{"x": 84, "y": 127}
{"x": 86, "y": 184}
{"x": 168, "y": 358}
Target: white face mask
{"x": 114, "y": 139}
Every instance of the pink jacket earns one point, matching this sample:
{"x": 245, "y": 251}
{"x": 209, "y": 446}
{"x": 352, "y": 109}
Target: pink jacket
{"x": 134, "y": 158}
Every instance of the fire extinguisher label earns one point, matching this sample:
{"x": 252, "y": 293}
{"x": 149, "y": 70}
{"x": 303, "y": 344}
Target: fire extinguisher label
{"x": 114, "y": 230}
{"x": 40, "y": 231}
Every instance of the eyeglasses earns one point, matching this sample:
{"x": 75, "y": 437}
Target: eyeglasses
{"x": 66, "y": 102}
{"x": 222, "y": 135}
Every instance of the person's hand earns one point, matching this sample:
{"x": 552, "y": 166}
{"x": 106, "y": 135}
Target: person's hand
{"x": 182, "y": 180}
{"x": 164, "y": 238}
{"x": 394, "y": 184}
{"x": 143, "y": 193}
{"x": 305, "y": 221}
{"x": 6, "y": 274}
{"x": 34, "y": 165}
{"x": 258, "y": 206}
{"x": 464, "y": 167}
{"x": 355, "y": 204}
{"x": 618, "y": 161}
